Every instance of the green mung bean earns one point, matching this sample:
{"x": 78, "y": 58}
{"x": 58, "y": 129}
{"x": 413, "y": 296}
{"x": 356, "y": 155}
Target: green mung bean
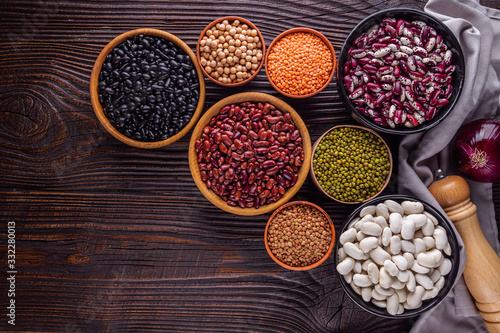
{"x": 351, "y": 164}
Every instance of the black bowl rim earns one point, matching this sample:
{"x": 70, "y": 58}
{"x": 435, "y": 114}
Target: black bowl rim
{"x": 427, "y": 304}
{"x": 459, "y": 61}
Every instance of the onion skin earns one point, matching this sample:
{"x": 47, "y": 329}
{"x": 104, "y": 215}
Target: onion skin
{"x": 476, "y": 150}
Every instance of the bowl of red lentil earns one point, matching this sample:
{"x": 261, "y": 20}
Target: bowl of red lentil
{"x": 230, "y": 51}
{"x": 300, "y": 62}
{"x": 299, "y": 236}
{"x": 250, "y": 153}
{"x": 351, "y": 164}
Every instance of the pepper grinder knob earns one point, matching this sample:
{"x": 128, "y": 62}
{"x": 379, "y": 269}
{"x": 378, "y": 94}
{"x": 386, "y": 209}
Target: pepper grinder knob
{"x": 482, "y": 266}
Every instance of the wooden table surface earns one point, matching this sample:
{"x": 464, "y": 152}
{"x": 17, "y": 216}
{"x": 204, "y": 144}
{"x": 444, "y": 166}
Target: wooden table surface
{"x": 111, "y": 238}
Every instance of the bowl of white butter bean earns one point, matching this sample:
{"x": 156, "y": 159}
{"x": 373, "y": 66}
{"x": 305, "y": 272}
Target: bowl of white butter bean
{"x": 397, "y": 256}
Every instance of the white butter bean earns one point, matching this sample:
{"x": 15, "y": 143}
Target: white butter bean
{"x": 419, "y": 269}
{"x": 354, "y": 287}
{"x": 357, "y": 267}
{"x": 379, "y": 255}
{"x": 439, "y": 283}
{"x": 440, "y": 238}
{"x": 395, "y": 244}
{"x": 367, "y": 244}
{"x": 365, "y": 264}
{"x": 445, "y": 267}
{"x": 436, "y": 274}
{"x": 394, "y": 207}
{"x": 378, "y": 296}
{"x": 385, "y": 278}
{"x": 401, "y": 309}
{"x": 419, "y": 246}
{"x": 366, "y": 294}
{"x": 412, "y": 207}
{"x": 360, "y": 236}
{"x": 348, "y": 277}
{"x": 407, "y": 229}
{"x": 380, "y": 304}
{"x": 431, "y": 217}
{"x": 346, "y": 265}
{"x": 447, "y": 249}
{"x": 371, "y": 228}
{"x": 361, "y": 280}
{"x": 424, "y": 281}
{"x": 419, "y": 219}
{"x": 373, "y": 273}
{"x": 409, "y": 258}
{"x": 426, "y": 260}
{"x": 400, "y": 262}
{"x": 368, "y": 210}
{"x": 341, "y": 254}
{"x": 407, "y": 246}
{"x": 386, "y": 236}
{"x": 428, "y": 228}
{"x": 412, "y": 283}
{"x": 348, "y": 236}
{"x": 391, "y": 267}
{"x": 382, "y": 210}
{"x": 383, "y": 291}
{"x": 429, "y": 242}
{"x": 414, "y": 298}
{"x": 402, "y": 294}
{"x": 436, "y": 254}
{"x": 353, "y": 251}
{"x": 367, "y": 218}
{"x": 395, "y": 220}
{"x": 430, "y": 293}
{"x": 353, "y": 222}
{"x": 404, "y": 276}
{"x": 396, "y": 284}
{"x": 381, "y": 221}
{"x": 393, "y": 304}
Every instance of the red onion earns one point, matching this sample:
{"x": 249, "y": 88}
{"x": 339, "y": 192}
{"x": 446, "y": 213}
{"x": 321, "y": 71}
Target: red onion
{"x": 476, "y": 150}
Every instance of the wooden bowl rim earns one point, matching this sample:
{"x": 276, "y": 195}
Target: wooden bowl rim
{"x": 242, "y": 20}
{"x": 324, "y": 39}
{"x": 315, "y": 181}
{"x": 214, "y": 110}
{"x": 94, "y": 94}
{"x": 317, "y": 263}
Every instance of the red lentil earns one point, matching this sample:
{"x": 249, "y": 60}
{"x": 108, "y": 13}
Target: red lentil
{"x": 299, "y": 63}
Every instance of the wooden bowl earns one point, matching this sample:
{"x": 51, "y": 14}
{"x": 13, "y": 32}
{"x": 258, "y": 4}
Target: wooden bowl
{"x": 315, "y": 181}
{"x": 94, "y": 94}
{"x": 300, "y": 268}
{"x": 316, "y": 33}
{"x": 205, "y": 120}
{"x": 231, "y": 19}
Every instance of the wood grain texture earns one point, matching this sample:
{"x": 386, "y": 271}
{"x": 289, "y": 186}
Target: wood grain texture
{"x": 112, "y": 238}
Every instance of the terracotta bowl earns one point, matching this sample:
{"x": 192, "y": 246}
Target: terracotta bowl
{"x": 214, "y": 111}
{"x": 94, "y": 94}
{"x": 300, "y": 268}
{"x": 306, "y": 30}
{"x": 231, "y": 19}
{"x": 315, "y": 180}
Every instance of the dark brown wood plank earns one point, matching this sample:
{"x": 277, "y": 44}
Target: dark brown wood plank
{"x": 113, "y": 238}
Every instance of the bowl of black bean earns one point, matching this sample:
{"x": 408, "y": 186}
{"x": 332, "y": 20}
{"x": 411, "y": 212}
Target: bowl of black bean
{"x": 147, "y": 88}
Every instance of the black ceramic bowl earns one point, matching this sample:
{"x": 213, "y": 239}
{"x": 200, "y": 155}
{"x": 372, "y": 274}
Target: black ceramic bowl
{"x": 449, "y": 278}
{"x": 410, "y": 15}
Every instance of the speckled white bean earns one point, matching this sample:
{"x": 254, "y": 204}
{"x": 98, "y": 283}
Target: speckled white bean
{"x": 381, "y": 221}
{"x": 391, "y": 267}
{"x": 393, "y": 304}
{"x": 409, "y": 258}
{"x": 373, "y": 273}
{"x": 386, "y": 236}
{"x": 407, "y": 229}
{"x": 407, "y": 246}
{"x": 371, "y": 228}
{"x": 445, "y": 267}
{"x": 368, "y": 210}
{"x": 426, "y": 260}
{"x": 400, "y": 262}
{"x": 395, "y": 244}
{"x": 395, "y": 220}
{"x": 440, "y": 238}
{"x": 367, "y": 244}
{"x": 382, "y": 210}
{"x": 379, "y": 255}
{"x": 394, "y": 207}
{"x": 424, "y": 281}
{"x": 353, "y": 251}
{"x": 346, "y": 265}
{"x": 428, "y": 228}
{"x": 385, "y": 279}
{"x": 414, "y": 298}
{"x": 366, "y": 293}
{"x": 412, "y": 207}
{"x": 361, "y": 280}
{"x": 348, "y": 236}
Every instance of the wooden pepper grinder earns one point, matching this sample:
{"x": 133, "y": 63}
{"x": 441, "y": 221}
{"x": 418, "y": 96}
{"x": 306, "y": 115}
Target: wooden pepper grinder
{"x": 482, "y": 267}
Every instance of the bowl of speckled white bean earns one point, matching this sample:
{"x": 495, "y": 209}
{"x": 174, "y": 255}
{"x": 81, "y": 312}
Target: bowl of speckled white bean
{"x": 397, "y": 256}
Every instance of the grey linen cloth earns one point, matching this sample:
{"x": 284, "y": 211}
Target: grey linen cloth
{"x": 478, "y": 30}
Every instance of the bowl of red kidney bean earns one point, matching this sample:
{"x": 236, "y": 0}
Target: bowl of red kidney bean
{"x": 250, "y": 153}
{"x": 400, "y": 71}
{"x": 147, "y": 88}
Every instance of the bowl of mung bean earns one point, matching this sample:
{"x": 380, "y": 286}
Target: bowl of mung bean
{"x": 299, "y": 236}
{"x": 351, "y": 164}
{"x": 146, "y": 88}
{"x": 250, "y": 153}
{"x": 411, "y": 66}
{"x": 230, "y": 51}
{"x": 300, "y": 62}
